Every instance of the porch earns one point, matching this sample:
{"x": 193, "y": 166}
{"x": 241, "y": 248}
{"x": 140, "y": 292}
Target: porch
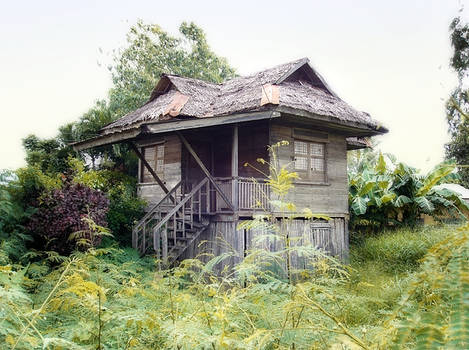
{"x": 202, "y": 174}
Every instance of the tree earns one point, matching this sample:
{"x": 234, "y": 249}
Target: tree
{"x": 49, "y": 155}
{"x": 136, "y": 69}
{"x": 150, "y": 51}
{"x": 457, "y": 106}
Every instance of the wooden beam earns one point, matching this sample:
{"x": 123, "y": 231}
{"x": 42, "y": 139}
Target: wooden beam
{"x": 161, "y": 127}
{"x": 234, "y": 168}
{"x": 149, "y": 168}
{"x": 105, "y": 139}
{"x": 348, "y": 128}
{"x": 204, "y": 169}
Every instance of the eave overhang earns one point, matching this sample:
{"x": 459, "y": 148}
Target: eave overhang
{"x": 287, "y": 114}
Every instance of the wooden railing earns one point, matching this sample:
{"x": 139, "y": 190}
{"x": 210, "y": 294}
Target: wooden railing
{"x": 142, "y": 231}
{"x": 177, "y": 228}
{"x": 174, "y": 222}
{"x": 253, "y": 194}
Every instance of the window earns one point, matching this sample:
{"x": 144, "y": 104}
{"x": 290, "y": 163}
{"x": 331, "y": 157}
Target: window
{"x": 154, "y": 155}
{"x": 310, "y": 160}
{"x": 320, "y": 228}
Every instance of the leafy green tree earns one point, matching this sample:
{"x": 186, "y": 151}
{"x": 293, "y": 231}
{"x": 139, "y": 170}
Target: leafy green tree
{"x": 49, "y": 155}
{"x": 457, "y": 106}
{"x": 137, "y": 68}
{"x": 150, "y": 52}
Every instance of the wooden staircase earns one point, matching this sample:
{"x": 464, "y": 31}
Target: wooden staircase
{"x": 174, "y": 223}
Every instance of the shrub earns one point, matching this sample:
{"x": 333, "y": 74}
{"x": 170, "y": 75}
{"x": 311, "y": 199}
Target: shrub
{"x": 384, "y": 193}
{"x": 124, "y": 205}
{"x": 61, "y": 213}
{"x": 29, "y": 184}
{"x": 12, "y": 217}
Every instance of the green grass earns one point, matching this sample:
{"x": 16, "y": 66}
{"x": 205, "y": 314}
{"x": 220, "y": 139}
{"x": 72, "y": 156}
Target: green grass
{"x": 382, "y": 268}
{"x": 396, "y": 251}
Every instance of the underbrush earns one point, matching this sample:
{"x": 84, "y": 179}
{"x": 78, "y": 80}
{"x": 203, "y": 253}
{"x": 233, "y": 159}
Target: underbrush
{"x": 112, "y": 299}
{"x": 399, "y": 250}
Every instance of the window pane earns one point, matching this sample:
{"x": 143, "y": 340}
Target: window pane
{"x": 301, "y": 147}
{"x": 317, "y": 149}
{"x": 317, "y": 164}
{"x": 301, "y": 163}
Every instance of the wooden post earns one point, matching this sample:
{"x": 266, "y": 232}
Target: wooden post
{"x": 204, "y": 169}
{"x": 164, "y": 248}
{"x": 234, "y": 169}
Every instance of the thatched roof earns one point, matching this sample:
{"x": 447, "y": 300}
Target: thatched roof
{"x": 295, "y": 85}
{"x": 357, "y": 143}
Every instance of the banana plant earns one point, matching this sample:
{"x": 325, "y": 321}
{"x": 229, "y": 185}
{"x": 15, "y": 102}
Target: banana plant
{"x": 383, "y": 193}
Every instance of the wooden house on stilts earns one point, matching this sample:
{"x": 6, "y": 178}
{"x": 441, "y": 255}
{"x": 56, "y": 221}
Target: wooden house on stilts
{"x": 192, "y": 138}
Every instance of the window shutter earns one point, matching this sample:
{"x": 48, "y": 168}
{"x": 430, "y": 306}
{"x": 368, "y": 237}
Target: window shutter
{"x": 154, "y": 155}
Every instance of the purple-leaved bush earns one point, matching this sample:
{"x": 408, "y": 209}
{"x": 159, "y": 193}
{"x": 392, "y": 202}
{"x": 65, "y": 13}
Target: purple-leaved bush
{"x": 61, "y": 212}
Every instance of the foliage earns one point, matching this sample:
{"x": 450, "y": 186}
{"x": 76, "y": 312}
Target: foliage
{"x": 125, "y": 207}
{"x": 384, "y": 193}
{"x": 435, "y": 310}
{"x": 457, "y": 106}
{"x": 111, "y": 299}
{"x": 60, "y": 213}
{"x": 48, "y": 155}
{"x": 13, "y": 237}
{"x": 29, "y": 183}
{"x": 120, "y": 301}
{"x": 397, "y": 251}
{"x": 136, "y": 69}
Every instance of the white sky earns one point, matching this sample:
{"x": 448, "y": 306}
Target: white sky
{"x": 389, "y": 58}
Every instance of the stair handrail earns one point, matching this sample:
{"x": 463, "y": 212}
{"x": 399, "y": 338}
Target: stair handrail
{"x": 153, "y": 209}
{"x": 180, "y": 204}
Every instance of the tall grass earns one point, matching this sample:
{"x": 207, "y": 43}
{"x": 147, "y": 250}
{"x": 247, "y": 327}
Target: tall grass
{"x": 398, "y": 250}
{"x": 112, "y": 299}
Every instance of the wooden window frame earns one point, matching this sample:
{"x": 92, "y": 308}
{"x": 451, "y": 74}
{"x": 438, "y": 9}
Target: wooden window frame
{"x": 307, "y": 176}
{"x": 320, "y": 227}
{"x": 153, "y": 163}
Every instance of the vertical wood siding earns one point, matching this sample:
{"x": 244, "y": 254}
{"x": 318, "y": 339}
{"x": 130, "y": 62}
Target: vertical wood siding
{"x": 224, "y": 237}
{"x": 152, "y": 192}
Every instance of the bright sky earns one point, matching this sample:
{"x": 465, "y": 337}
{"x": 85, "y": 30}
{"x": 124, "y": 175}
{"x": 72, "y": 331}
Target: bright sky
{"x": 389, "y": 58}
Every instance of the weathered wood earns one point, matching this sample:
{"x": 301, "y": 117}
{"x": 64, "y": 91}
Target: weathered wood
{"x": 204, "y": 169}
{"x": 347, "y": 128}
{"x": 164, "y": 250}
{"x": 106, "y": 139}
{"x": 149, "y": 168}
{"x": 152, "y": 209}
{"x": 234, "y": 169}
{"x": 163, "y": 127}
{"x": 179, "y": 205}
{"x": 327, "y": 197}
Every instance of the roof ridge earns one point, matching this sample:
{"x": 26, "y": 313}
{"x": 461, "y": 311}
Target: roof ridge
{"x": 294, "y": 63}
{"x": 188, "y": 78}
